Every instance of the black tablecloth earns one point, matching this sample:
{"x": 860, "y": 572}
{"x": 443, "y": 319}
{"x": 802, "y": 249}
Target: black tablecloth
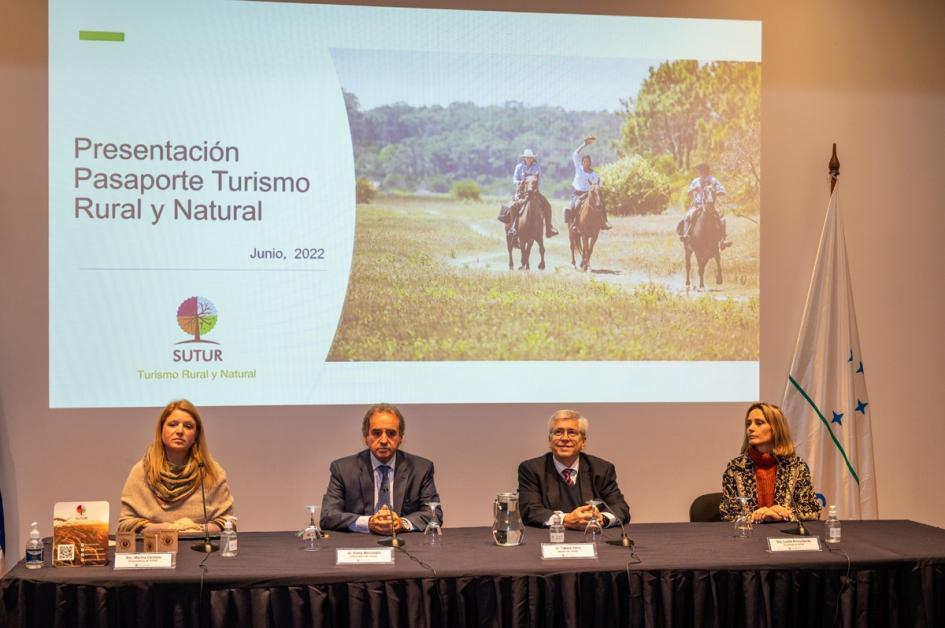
{"x": 680, "y": 575}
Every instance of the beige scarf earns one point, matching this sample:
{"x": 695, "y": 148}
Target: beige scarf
{"x": 174, "y": 483}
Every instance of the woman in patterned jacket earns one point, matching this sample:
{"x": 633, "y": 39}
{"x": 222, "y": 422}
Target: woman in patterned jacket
{"x": 776, "y": 481}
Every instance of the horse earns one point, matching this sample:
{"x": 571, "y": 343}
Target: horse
{"x": 530, "y": 226}
{"x": 588, "y": 218}
{"x": 704, "y": 237}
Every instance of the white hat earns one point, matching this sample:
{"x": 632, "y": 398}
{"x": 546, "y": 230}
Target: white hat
{"x": 528, "y": 153}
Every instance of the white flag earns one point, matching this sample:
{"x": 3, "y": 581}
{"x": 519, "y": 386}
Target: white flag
{"x": 825, "y": 400}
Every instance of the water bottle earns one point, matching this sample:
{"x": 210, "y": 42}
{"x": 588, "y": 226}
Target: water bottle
{"x": 556, "y": 531}
{"x": 832, "y": 525}
{"x": 34, "y": 549}
{"x": 228, "y": 544}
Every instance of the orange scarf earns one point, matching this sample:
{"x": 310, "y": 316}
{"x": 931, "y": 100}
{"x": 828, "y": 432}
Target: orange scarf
{"x": 766, "y": 469}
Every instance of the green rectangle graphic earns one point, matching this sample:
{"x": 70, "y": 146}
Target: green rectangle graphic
{"x": 101, "y": 36}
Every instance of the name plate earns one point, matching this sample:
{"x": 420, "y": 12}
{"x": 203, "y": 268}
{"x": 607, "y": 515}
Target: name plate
{"x": 798, "y": 544}
{"x": 145, "y": 560}
{"x": 557, "y": 551}
{"x": 364, "y": 556}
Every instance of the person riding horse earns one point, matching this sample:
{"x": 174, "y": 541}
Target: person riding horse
{"x": 584, "y": 178}
{"x": 703, "y": 192}
{"x": 527, "y": 166}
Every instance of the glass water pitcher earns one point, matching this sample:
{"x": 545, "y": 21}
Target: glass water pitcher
{"x": 507, "y": 529}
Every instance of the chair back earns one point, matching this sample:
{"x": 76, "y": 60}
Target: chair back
{"x": 706, "y": 508}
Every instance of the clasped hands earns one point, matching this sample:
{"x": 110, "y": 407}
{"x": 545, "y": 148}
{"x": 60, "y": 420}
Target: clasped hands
{"x": 382, "y": 521}
{"x": 186, "y": 524}
{"x": 774, "y": 513}
{"x": 578, "y": 518}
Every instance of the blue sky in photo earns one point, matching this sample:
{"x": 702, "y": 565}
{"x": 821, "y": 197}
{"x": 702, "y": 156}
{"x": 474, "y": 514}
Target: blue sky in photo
{"x": 420, "y": 78}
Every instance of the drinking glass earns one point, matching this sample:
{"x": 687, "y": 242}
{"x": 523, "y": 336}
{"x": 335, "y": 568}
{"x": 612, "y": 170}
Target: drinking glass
{"x": 434, "y": 532}
{"x": 743, "y": 520}
{"x": 311, "y": 533}
{"x": 593, "y": 530}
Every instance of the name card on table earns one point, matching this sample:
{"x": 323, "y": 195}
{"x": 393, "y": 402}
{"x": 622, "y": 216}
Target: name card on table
{"x": 798, "y": 544}
{"x": 557, "y": 551}
{"x": 364, "y": 556}
{"x": 145, "y": 560}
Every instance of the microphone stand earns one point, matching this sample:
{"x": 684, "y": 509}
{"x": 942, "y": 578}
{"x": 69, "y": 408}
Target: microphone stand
{"x": 624, "y": 540}
{"x": 204, "y": 546}
{"x": 393, "y": 541}
{"x": 800, "y": 529}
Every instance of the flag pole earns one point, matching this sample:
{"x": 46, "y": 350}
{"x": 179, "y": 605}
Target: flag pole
{"x": 825, "y": 396}
{"x": 833, "y": 167}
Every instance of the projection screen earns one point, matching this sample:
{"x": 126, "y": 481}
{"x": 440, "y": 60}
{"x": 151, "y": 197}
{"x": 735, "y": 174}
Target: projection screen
{"x": 264, "y": 204}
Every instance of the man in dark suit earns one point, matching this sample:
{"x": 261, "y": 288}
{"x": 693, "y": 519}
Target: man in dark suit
{"x": 564, "y": 479}
{"x": 381, "y": 487}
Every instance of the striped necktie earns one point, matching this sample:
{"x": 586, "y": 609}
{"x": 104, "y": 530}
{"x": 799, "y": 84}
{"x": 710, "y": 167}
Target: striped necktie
{"x": 568, "y": 476}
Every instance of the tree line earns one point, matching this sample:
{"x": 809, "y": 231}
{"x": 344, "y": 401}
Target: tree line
{"x": 685, "y": 112}
{"x": 400, "y": 147}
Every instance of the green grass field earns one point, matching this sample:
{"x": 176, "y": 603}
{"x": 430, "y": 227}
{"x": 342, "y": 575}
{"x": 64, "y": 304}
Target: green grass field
{"x": 430, "y": 281}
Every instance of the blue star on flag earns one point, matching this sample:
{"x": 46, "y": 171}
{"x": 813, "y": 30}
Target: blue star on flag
{"x": 861, "y": 406}
{"x": 837, "y": 416}
{"x": 860, "y": 370}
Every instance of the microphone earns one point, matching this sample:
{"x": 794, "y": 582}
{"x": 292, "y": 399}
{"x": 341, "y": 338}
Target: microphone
{"x": 624, "y": 540}
{"x": 204, "y": 546}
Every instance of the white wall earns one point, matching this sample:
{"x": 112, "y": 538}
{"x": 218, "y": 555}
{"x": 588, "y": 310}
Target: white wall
{"x": 866, "y": 75}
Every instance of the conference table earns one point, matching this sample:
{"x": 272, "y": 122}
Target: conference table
{"x": 883, "y": 573}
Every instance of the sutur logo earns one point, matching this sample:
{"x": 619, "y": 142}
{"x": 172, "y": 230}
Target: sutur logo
{"x": 197, "y": 316}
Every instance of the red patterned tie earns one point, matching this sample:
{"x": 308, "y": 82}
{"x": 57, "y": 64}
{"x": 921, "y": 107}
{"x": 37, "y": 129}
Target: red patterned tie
{"x": 568, "y": 476}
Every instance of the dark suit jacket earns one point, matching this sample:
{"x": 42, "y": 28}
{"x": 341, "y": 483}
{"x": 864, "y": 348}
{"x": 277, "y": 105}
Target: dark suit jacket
{"x": 539, "y": 493}
{"x": 350, "y": 491}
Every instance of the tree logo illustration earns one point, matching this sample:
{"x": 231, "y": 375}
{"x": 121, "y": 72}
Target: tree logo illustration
{"x": 197, "y": 316}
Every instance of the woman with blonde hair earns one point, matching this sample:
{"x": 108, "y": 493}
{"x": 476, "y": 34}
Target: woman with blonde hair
{"x": 775, "y": 481}
{"x": 163, "y": 489}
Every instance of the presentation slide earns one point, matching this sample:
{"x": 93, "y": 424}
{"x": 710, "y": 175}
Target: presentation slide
{"x": 257, "y": 203}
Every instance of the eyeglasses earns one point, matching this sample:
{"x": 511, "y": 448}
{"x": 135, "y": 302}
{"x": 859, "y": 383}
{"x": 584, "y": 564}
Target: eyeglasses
{"x": 560, "y": 432}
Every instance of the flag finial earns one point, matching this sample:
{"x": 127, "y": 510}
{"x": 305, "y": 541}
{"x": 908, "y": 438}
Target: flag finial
{"x": 833, "y": 167}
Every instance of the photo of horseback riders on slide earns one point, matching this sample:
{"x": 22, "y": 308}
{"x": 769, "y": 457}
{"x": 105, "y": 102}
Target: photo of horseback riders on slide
{"x": 434, "y": 275}
{"x": 702, "y": 231}
{"x": 586, "y": 216}
{"x": 527, "y": 212}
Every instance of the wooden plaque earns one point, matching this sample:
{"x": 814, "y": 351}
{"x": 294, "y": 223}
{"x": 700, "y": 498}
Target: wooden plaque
{"x": 150, "y": 542}
{"x": 125, "y": 543}
{"x": 167, "y": 541}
